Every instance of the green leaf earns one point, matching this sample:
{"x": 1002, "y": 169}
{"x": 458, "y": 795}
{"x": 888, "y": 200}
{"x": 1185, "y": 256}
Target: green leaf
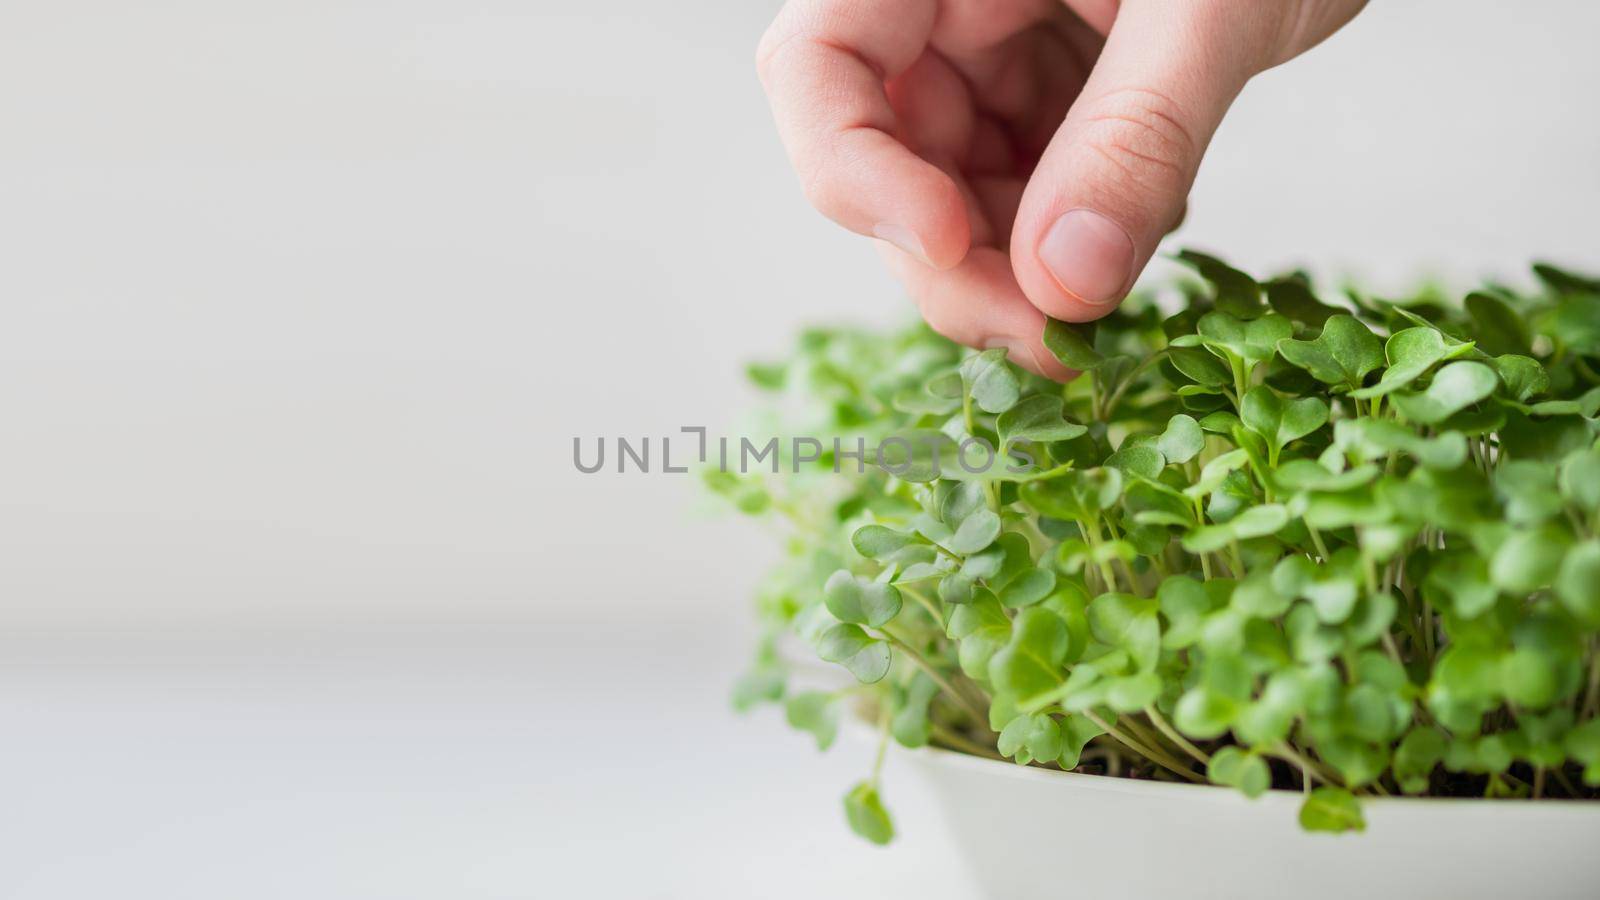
{"x": 1575, "y": 322}
{"x": 1182, "y": 440}
{"x": 1214, "y": 472}
{"x": 866, "y": 657}
{"x": 1293, "y": 298}
{"x": 1306, "y": 475}
{"x": 1184, "y": 602}
{"x": 761, "y": 684}
{"x": 1586, "y": 405}
{"x": 1583, "y": 744}
{"x": 1280, "y": 422}
{"x": 1258, "y": 521}
{"x": 861, "y": 601}
{"x": 1529, "y": 678}
{"x": 1309, "y": 639}
{"x": 921, "y": 401}
{"x": 866, "y": 815}
{"x": 1528, "y": 560}
{"x": 993, "y": 384}
{"x": 1031, "y": 737}
{"x": 1578, "y": 582}
{"x": 766, "y": 376}
{"x": 1253, "y": 341}
{"x": 1072, "y": 345}
{"x": 957, "y": 500}
{"x": 981, "y": 628}
{"x": 1144, "y": 460}
{"x": 1370, "y": 439}
{"x": 1331, "y": 809}
{"x": 1076, "y": 732}
{"x": 1002, "y": 562}
{"x": 1566, "y": 281}
{"x": 815, "y": 712}
{"x": 1552, "y": 438}
{"x": 1499, "y": 328}
{"x": 1037, "y": 418}
{"x": 1522, "y": 378}
{"x": 878, "y": 541}
{"x": 1030, "y": 664}
{"x": 1410, "y": 353}
{"x": 1238, "y": 768}
{"x": 1342, "y": 354}
{"x": 1258, "y": 594}
{"x": 1075, "y": 495}
{"x": 1528, "y": 489}
{"x": 1028, "y": 588}
{"x": 1205, "y": 713}
{"x": 1202, "y": 366}
{"x": 1461, "y": 581}
{"x": 911, "y": 726}
{"x": 1135, "y": 692}
{"x": 1455, "y": 387}
{"x": 1129, "y": 623}
{"x": 1234, "y": 292}
{"x": 976, "y": 532}
{"x": 1579, "y": 479}
{"x": 1415, "y": 758}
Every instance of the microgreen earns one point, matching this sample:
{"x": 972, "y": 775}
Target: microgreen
{"x": 1347, "y": 548}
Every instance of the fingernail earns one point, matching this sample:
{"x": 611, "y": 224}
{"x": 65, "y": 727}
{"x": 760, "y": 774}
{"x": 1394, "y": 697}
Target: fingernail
{"x": 901, "y": 237}
{"x": 1089, "y": 256}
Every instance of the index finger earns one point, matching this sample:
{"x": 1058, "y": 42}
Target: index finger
{"x": 824, "y": 64}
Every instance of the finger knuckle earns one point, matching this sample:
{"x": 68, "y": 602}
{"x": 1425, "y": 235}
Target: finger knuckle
{"x": 769, "y": 47}
{"x": 1142, "y": 135}
{"x": 819, "y": 191}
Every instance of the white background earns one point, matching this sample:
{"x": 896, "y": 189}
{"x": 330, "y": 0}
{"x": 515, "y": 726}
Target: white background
{"x": 301, "y": 305}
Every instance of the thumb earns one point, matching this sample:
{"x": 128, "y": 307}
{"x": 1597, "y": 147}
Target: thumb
{"x": 1115, "y": 177}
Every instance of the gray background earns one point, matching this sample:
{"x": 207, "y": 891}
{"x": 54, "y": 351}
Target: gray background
{"x": 303, "y": 304}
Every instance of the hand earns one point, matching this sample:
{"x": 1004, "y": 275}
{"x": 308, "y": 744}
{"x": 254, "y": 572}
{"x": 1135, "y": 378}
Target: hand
{"x": 1017, "y": 159}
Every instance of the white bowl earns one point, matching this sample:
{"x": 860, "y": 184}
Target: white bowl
{"x": 1029, "y": 832}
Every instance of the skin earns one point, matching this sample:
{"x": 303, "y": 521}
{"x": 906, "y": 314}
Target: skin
{"x": 1017, "y": 159}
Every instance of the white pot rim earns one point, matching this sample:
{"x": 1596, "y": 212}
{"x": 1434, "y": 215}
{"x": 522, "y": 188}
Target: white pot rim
{"x": 1584, "y": 810}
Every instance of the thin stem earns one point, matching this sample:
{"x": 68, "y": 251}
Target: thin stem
{"x": 883, "y": 745}
{"x": 1155, "y": 756}
{"x": 1316, "y": 541}
{"x": 1571, "y": 789}
{"x": 1592, "y": 695}
{"x": 1127, "y": 570}
{"x": 1091, "y": 531}
{"x": 1172, "y": 733}
{"x": 1051, "y": 473}
{"x": 1427, "y": 623}
{"x": 1116, "y": 395}
{"x": 1145, "y": 736}
{"x": 989, "y": 493}
{"x": 917, "y": 659}
{"x": 963, "y": 743}
{"x": 1394, "y": 651}
{"x": 1286, "y": 752}
{"x": 925, "y": 601}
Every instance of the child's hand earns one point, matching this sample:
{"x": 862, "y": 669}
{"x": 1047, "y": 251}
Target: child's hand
{"x": 1019, "y": 158}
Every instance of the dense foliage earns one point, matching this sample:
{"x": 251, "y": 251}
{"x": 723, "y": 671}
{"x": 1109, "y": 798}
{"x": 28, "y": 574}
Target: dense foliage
{"x": 1267, "y": 540}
